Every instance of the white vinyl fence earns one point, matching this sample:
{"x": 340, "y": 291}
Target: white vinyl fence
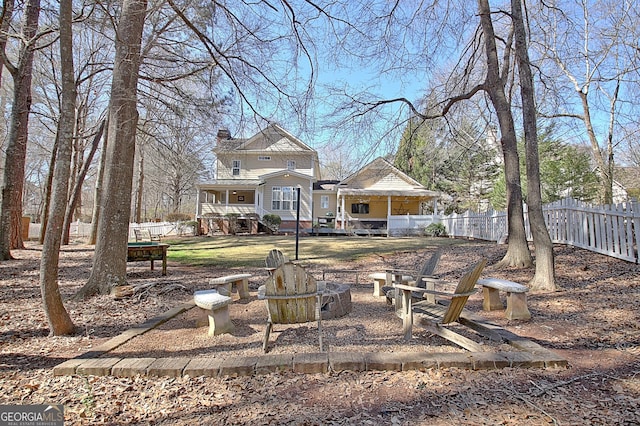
{"x": 80, "y": 230}
{"x": 409, "y": 224}
{"x": 613, "y": 230}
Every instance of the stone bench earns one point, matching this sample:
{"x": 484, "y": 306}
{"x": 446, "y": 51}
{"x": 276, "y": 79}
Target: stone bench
{"x": 516, "y": 297}
{"x": 238, "y": 283}
{"x": 380, "y": 281}
{"x": 216, "y": 307}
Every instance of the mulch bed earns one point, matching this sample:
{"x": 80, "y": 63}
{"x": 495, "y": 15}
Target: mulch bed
{"x": 592, "y": 321}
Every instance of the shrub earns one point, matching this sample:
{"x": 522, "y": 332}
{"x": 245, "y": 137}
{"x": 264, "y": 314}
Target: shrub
{"x": 177, "y": 217}
{"x": 435, "y": 230}
{"x": 272, "y": 221}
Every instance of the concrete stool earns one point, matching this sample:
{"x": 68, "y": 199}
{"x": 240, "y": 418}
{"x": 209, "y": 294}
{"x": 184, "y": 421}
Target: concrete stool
{"x": 380, "y": 280}
{"x": 216, "y": 307}
{"x": 516, "y": 297}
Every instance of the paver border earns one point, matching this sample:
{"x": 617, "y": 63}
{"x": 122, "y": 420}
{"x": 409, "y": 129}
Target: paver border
{"x": 528, "y": 355}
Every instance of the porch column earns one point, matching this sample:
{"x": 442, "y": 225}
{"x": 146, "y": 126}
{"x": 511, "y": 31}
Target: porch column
{"x": 342, "y": 212}
{"x": 389, "y": 214}
{"x": 226, "y": 202}
{"x": 256, "y": 202}
{"x": 198, "y": 206}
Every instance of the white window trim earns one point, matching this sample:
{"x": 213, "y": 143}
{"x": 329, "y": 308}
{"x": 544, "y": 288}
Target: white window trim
{"x": 324, "y": 201}
{"x": 283, "y": 198}
{"x": 236, "y": 165}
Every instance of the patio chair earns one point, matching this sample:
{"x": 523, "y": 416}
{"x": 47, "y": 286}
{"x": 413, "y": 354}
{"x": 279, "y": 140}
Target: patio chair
{"x": 291, "y": 296}
{"x": 412, "y": 278}
{"x": 274, "y": 259}
{"x": 433, "y": 316}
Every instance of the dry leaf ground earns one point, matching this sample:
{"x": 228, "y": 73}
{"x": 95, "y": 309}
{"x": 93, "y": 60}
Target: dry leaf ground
{"x": 593, "y": 322}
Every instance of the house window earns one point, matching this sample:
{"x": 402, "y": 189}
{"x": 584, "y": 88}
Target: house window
{"x": 264, "y": 158}
{"x": 291, "y": 165}
{"x": 360, "y": 208}
{"x": 324, "y": 201}
{"x": 235, "y": 168}
{"x": 282, "y": 198}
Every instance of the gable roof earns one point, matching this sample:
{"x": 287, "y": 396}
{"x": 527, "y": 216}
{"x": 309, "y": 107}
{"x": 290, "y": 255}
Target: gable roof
{"x": 285, "y": 173}
{"x": 271, "y": 139}
{"x": 379, "y": 173}
{"x": 381, "y": 178}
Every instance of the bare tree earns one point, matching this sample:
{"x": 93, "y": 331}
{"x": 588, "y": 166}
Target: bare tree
{"x": 478, "y": 72}
{"x": 13, "y": 179}
{"x": 5, "y": 21}
{"x": 110, "y": 256}
{"x": 544, "y": 278}
{"x": 97, "y": 192}
{"x": 59, "y": 321}
{"x": 92, "y": 51}
{"x": 587, "y": 52}
{"x": 81, "y": 173}
{"x": 518, "y": 251}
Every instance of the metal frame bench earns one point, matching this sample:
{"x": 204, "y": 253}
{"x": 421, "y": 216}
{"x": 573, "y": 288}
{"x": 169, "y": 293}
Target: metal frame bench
{"x": 516, "y": 297}
{"x": 232, "y": 283}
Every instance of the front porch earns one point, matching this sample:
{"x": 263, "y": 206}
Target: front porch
{"x": 218, "y": 209}
{"x": 386, "y": 212}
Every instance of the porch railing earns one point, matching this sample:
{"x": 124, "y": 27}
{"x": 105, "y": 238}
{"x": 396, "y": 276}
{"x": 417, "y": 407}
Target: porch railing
{"x": 409, "y": 224}
{"x": 223, "y": 209}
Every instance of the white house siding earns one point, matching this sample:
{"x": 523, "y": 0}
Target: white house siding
{"x": 391, "y": 182}
{"x": 305, "y": 197}
{"x": 252, "y": 168}
{"x": 318, "y": 211}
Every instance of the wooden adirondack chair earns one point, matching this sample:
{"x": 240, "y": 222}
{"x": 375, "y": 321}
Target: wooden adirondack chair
{"x": 434, "y": 316}
{"x": 400, "y": 276}
{"x": 291, "y": 296}
{"x": 274, "y": 259}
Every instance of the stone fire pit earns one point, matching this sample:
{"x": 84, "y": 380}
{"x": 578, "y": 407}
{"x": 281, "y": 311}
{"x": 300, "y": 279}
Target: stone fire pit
{"x": 336, "y": 299}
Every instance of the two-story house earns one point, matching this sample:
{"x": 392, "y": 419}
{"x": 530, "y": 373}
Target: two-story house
{"x": 261, "y": 175}
{"x": 269, "y": 172}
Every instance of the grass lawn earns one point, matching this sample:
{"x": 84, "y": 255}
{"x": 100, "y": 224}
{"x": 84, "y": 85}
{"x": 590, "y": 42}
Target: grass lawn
{"x": 251, "y": 250}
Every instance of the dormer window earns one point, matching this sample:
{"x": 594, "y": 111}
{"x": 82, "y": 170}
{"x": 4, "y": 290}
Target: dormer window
{"x": 291, "y": 165}
{"x": 235, "y": 168}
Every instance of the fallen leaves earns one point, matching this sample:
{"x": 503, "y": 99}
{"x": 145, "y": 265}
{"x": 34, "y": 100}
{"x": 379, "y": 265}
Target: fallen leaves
{"x": 601, "y": 343}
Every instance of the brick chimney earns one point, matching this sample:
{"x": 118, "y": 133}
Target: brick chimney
{"x": 223, "y": 134}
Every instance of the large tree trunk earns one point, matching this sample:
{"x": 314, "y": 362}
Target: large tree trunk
{"x": 110, "y": 257}
{"x": 518, "y": 253}
{"x": 544, "y": 278}
{"x": 59, "y": 321}
{"x": 13, "y": 181}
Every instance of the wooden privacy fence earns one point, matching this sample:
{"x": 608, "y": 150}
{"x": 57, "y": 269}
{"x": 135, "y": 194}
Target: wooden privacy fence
{"x": 613, "y": 230}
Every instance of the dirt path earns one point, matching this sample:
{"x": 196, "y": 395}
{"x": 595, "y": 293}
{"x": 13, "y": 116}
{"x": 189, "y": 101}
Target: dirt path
{"x": 593, "y": 322}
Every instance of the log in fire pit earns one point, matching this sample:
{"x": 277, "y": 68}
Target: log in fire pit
{"x": 336, "y": 299}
